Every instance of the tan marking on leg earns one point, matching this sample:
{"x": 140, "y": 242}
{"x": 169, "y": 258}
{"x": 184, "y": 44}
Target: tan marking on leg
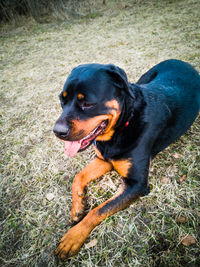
{"x": 72, "y": 241}
{"x": 122, "y": 166}
{"x": 98, "y": 153}
{"x": 94, "y": 170}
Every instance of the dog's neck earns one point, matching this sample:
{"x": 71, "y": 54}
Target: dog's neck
{"x": 130, "y": 108}
{"x": 127, "y": 125}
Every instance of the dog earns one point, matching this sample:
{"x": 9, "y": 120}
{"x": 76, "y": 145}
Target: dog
{"x": 129, "y": 124}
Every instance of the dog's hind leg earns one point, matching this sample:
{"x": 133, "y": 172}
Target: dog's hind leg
{"x": 148, "y": 76}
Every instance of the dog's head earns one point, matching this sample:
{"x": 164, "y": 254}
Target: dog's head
{"x": 91, "y": 100}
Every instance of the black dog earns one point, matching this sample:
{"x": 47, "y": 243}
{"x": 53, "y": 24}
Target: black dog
{"x": 128, "y": 123}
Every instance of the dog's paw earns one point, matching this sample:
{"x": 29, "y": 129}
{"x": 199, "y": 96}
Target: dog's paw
{"x": 72, "y": 241}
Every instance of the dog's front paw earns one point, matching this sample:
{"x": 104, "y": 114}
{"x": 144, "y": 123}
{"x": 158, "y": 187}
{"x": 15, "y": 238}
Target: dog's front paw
{"x": 72, "y": 241}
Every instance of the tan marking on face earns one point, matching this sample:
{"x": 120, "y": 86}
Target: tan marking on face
{"x": 64, "y": 94}
{"x": 80, "y": 96}
{"x": 112, "y": 117}
{"x": 122, "y": 166}
{"x": 81, "y": 129}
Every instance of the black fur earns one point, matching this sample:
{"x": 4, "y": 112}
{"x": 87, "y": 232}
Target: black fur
{"x": 160, "y": 107}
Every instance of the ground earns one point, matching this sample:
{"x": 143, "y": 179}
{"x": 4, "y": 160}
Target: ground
{"x": 36, "y": 176}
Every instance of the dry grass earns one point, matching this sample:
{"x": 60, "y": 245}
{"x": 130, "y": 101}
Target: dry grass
{"x": 35, "y": 60}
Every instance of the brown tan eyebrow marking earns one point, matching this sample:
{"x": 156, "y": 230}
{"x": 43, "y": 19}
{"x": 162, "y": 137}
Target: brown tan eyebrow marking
{"x": 80, "y": 96}
{"x": 64, "y": 94}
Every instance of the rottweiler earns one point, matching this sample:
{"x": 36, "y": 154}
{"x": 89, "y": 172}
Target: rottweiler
{"x": 129, "y": 124}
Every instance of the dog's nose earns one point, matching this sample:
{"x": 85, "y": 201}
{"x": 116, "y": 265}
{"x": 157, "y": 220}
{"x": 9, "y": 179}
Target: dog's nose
{"x": 61, "y": 130}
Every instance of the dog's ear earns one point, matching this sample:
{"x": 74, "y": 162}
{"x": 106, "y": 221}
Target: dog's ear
{"x": 120, "y": 79}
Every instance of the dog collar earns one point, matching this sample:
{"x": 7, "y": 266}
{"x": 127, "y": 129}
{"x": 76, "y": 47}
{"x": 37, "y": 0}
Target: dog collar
{"x": 126, "y": 124}
{"x": 123, "y": 127}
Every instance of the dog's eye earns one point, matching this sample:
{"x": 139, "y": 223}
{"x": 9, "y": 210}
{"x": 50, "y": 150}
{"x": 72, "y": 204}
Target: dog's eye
{"x": 86, "y": 105}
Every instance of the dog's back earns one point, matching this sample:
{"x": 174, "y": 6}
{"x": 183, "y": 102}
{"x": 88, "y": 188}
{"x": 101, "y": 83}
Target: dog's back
{"x": 172, "y": 88}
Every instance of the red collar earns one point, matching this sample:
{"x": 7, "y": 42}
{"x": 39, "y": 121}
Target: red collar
{"x": 125, "y": 125}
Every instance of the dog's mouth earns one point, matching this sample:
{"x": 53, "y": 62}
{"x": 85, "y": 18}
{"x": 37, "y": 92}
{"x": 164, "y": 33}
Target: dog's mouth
{"x": 72, "y": 147}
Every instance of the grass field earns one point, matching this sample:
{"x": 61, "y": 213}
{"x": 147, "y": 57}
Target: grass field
{"x": 36, "y": 176}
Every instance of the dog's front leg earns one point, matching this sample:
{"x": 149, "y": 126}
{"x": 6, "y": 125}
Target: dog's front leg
{"x": 92, "y": 171}
{"x": 72, "y": 241}
{"x": 135, "y": 172}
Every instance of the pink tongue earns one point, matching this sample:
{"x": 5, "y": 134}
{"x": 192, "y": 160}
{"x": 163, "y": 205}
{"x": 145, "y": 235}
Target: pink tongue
{"x": 71, "y": 148}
